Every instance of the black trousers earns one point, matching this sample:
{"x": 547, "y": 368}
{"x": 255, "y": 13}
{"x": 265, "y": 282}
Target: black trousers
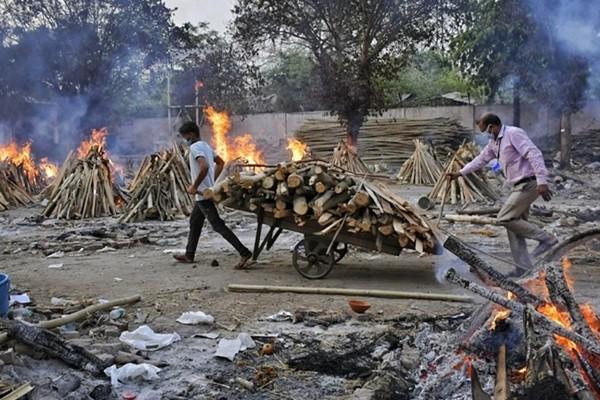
{"x": 205, "y": 209}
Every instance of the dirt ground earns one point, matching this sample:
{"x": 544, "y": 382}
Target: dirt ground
{"x": 168, "y": 288}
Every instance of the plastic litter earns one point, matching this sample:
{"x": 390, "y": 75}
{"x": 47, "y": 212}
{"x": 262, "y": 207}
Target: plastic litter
{"x": 144, "y": 338}
{"x": 19, "y": 298}
{"x": 173, "y": 251}
{"x": 281, "y": 316}
{"x": 228, "y": 348}
{"x": 195, "y": 317}
{"x": 56, "y": 266}
{"x": 117, "y": 313}
{"x": 57, "y": 254}
{"x": 131, "y": 371}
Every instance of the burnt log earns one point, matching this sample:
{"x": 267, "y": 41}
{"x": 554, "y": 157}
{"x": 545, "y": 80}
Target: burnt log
{"x": 488, "y": 274}
{"x": 47, "y": 342}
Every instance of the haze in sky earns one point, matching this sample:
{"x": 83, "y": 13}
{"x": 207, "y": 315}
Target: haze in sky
{"x": 216, "y": 12}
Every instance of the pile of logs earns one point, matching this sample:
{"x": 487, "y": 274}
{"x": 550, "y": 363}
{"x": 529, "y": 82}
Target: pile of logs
{"x": 421, "y": 168}
{"x": 385, "y": 142}
{"x": 560, "y": 339}
{"x": 586, "y": 146}
{"x": 11, "y": 194}
{"x": 465, "y": 189}
{"x": 159, "y": 188}
{"x": 83, "y": 188}
{"x": 346, "y": 157}
{"x": 338, "y": 199}
{"x": 30, "y": 182}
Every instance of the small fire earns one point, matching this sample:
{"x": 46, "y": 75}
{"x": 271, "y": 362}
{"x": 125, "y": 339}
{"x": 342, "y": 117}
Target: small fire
{"x": 50, "y": 169}
{"x": 567, "y": 264}
{"x": 20, "y": 156}
{"x": 97, "y": 140}
{"x": 499, "y": 317}
{"x": 241, "y": 147}
{"x": 297, "y": 148}
{"x": 562, "y": 318}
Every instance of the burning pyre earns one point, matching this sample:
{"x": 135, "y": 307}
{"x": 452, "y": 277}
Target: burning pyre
{"x": 84, "y": 186}
{"x": 551, "y": 342}
{"x": 18, "y": 165}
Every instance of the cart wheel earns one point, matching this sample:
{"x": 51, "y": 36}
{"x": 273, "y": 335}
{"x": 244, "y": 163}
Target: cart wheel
{"x": 340, "y": 250}
{"x": 312, "y": 262}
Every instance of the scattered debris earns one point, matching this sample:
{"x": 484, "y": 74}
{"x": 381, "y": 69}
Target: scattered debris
{"x": 195, "y": 318}
{"x": 144, "y": 338}
{"x": 128, "y": 372}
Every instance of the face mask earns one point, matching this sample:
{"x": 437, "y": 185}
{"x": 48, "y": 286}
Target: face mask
{"x": 189, "y": 142}
{"x": 488, "y": 130}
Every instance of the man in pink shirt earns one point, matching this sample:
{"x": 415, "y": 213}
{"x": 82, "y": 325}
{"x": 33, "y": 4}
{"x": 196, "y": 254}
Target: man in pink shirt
{"x": 523, "y": 166}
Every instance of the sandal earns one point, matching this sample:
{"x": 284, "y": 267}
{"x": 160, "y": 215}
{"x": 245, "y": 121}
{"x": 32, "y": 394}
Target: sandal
{"x": 245, "y": 262}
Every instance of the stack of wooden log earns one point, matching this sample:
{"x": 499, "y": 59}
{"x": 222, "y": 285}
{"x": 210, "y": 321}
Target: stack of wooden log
{"x": 11, "y": 194}
{"x": 465, "y": 189}
{"x": 346, "y": 157}
{"x": 30, "y": 182}
{"x": 421, "y": 168}
{"x": 159, "y": 188}
{"x": 338, "y": 199}
{"x": 83, "y": 188}
{"x": 383, "y": 141}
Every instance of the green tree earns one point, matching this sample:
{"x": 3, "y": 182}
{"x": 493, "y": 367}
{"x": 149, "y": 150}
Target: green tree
{"x": 353, "y": 43}
{"x": 228, "y": 76}
{"x": 290, "y": 75}
{"x": 506, "y": 39}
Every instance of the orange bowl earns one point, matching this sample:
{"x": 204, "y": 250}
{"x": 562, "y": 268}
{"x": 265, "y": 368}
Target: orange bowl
{"x": 359, "y": 306}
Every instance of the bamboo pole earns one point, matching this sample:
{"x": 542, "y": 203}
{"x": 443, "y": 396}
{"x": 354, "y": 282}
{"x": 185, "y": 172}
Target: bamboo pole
{"x": 387, "y": 294}
{"x": 81, "y": 314}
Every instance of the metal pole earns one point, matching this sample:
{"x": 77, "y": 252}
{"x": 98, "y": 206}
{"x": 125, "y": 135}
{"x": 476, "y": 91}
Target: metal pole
{"x": 197, "y": 103}
{"x": 169, "y": 100}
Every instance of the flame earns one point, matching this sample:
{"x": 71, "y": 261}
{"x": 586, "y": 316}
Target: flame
{"x": 591, "y": 318}
{"x": 297, "y": 148}
{"x": 567, "y": 264}
{"x": 20, "y": 156}
{"x": 498, "y": 317}
{"x": 562, "y": 318}
{"x": 97, "y": 141}
{"x": 241, "y": 147}
{"x": 522, "y": 371}
{"x": 50, "y": 169}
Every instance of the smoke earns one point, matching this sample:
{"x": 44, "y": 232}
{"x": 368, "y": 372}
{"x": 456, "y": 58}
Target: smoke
{"x": 447, "y": 260}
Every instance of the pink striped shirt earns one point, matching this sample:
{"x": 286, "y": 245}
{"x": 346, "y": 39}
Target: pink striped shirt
{"x": 519, "y": 157}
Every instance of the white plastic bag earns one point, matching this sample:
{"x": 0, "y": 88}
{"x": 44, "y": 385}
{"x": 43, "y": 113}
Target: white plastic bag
{"x": 228, "y": 348}
{"x": 195, "y": 317}
{"x": 144, "y": 338}
{"x": 131, "y": 371}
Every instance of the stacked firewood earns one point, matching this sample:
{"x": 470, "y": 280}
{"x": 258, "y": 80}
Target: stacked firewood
{"x": 83, "y": 188}
{"x": 159, "y": 188}
{"x": 31, "y": 181}
{"x": 465, "y": 189}
{"x": 334, "y": 197}
{"x": 421, "y": 168}
{"x": 11, "y": 194}
{"x": 384, "y": 142}
{"x": 346, "y": 157}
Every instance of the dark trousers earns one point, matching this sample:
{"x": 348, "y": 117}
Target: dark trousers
{"x": 205, "y": 209}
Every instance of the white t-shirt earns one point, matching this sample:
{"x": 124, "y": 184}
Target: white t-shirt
{"x": 202, "y": 149}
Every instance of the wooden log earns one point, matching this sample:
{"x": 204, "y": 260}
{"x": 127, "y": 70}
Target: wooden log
{"x": 347, "y": 292}
{"x": 268, "y": 182}
{"x": 282, "y": 189}
{"x": 326, "y": 219}
{"x": 295, "y": 181}
{"x": 300, "y": 205}
{"x": 42, "y": 340}
{"x": 502, "y": 388}
{"x": 280, "y": 214}
{"x": 540, "y": 320}
{"x": 387, "y": 230}
{"x": 472, "y": 219}
{"x": 489, "y": 274}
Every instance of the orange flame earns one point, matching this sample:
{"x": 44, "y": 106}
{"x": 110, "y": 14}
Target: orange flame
{"x": 241, "y": 147}
{"x": 20, "y": 156}
{"x": 562, "y": 318}
{"x": 50, "y": 169}
{"x": 498, "y": 317}
{"x": 297, "y": 148}
{"x": 567, "y": 264}
{"x": 96, "y": 141}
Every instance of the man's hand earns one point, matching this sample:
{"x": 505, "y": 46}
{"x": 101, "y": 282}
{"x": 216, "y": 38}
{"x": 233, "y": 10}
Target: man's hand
{"x": 453, "y": 175}
{"x": 192, "y": 189}
{"x": 545, "y": 192}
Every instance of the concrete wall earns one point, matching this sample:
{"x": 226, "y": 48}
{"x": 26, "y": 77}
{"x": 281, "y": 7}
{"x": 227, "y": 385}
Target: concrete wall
{"x": 272, "y": 130}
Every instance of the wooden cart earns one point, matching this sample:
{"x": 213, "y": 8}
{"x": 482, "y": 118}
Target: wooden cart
{"x": 315, "y": 255}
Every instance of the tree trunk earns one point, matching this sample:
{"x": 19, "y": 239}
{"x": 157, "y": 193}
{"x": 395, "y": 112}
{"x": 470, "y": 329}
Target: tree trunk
{"x": 517, "y": 103}
{"x": 354, "y": 124}
{"x": 565, "y": 140}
